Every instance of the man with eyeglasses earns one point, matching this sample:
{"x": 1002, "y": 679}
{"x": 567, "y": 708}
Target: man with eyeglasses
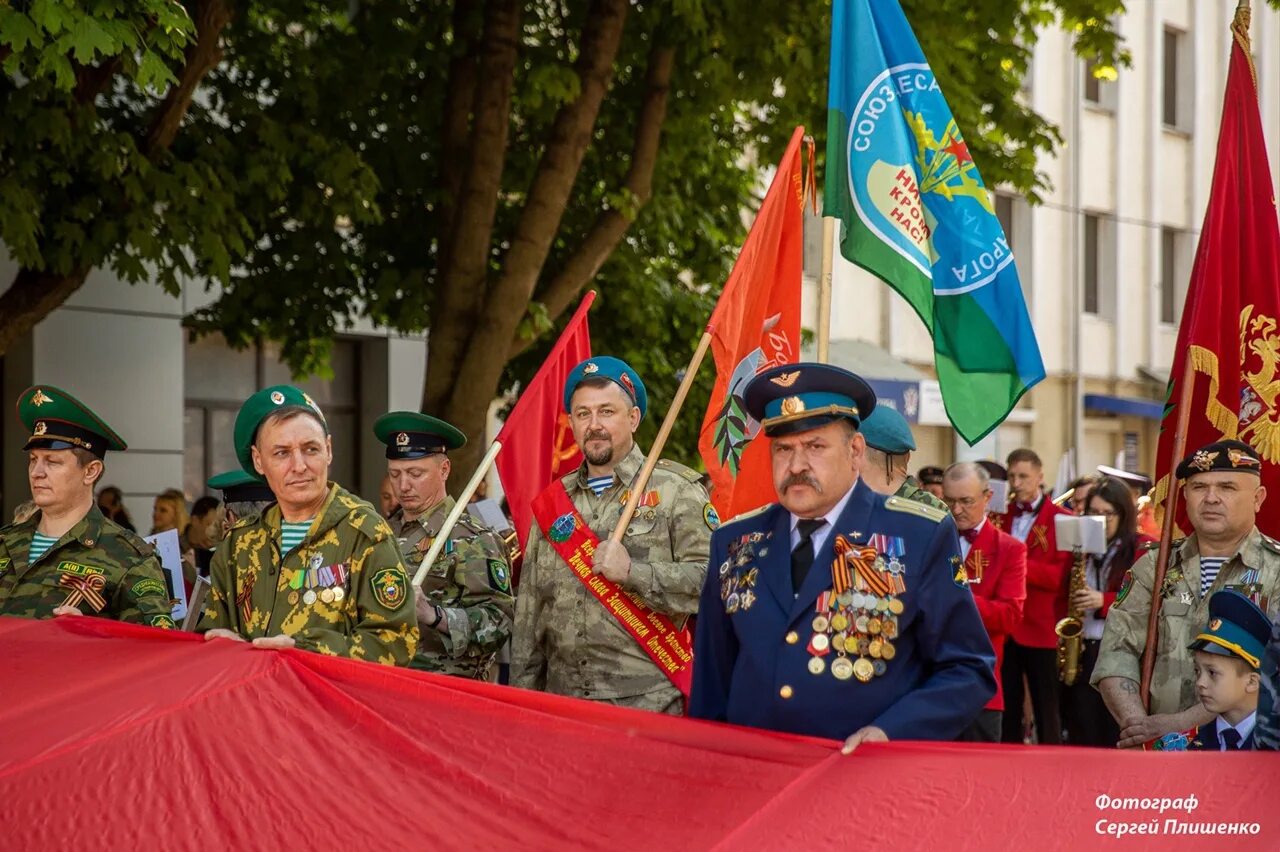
{"x": 995, "y": 567}
{"x": 1223, "y": 492}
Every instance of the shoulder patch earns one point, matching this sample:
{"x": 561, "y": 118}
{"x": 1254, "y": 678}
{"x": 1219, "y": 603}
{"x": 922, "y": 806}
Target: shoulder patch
{"x": 750, "y": 513}
{"x": 499, "y": 577}
{"x": 911, "y": 507}
{"x": 149, "y": 586}
{"x": 679, "y": 469}
{"x": 711, "y": 517}
{"x": 164, "y": 622}
{"x": 1125, "y": 586}
{"x": 390, "y": 587}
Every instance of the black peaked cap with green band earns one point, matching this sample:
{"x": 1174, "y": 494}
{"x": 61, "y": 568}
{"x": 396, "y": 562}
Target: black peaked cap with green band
{"x": 256, "y": 409}
{"x": 238, "y": 486}
{"x": 59, "y": 421}
{"x": 410, "y": 435}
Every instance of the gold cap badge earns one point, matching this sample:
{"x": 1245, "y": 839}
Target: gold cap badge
{"x": 402, "y": 439}
{"x": 40, "y": 429}
{"x": 39, "y": 398}
{"x": 1203, "y": 460}
{"x": 277, "y": 397}
{"x": 590, "y": 368}
{"x": 792, "y": 405}
{"x": 786, "y": 380}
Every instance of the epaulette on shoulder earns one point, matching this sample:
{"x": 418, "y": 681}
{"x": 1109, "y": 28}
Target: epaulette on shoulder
{"x": 750, "y": 513}
{"x": 1270, "y": 543}
{"x": 1150, "y": 545}
{"x": 135, "y": 541}
{"x": 911, "y": 507}
{"x": 247, "y": 520}
{"x": 680, "y": 470}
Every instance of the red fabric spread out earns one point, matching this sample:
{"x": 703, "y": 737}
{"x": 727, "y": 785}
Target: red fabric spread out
{"x": 123, "y": 737}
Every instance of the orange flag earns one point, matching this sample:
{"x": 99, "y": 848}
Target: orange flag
{"x": 756, "y": 325}
{"x": 1229, "y": 326}
{"x": 537, "y": 443}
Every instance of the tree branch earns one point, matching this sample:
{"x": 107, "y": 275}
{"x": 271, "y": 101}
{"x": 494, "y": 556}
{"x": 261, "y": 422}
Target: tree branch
{"x": 558, "y": 169}
{"x": 31, "y": 297}
{"x": 92, "y": 80}
{"x": 467, "y": 249}
{"x": 460, "y": 90}
{"x": 210, "y": 18}
{"x": 612, "y": 224}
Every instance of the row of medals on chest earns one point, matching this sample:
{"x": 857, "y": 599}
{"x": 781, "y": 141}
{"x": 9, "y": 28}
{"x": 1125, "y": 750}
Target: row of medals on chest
{"x": 854, "y": 623}
{"x": 322, "y": 583}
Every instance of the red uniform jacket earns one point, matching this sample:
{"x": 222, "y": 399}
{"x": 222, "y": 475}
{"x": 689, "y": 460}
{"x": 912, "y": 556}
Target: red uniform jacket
{"x": 997, "y": 570}
{"x": 1047, "y": 572}
{"x": 1115, "y": 578}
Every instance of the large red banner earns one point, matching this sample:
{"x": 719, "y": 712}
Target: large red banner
{"x": 114, "y": 736}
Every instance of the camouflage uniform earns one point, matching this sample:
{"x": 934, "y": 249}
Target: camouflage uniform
{"x": 470, "y": 581}
{"x": 1183, "y": 613}
{"x": 565, "y": 641}
{"x": 134, "y": 589}
{"x": 373, "y": 620}
{"x": 1267, "y": 733}
{"x": 911, "y": 490}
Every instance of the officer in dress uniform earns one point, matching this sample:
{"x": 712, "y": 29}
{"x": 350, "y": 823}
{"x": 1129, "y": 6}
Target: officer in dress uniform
{"x": 837, "y": 612}
{"x": 464, "y": 607}
{"x": 68, "y": 558}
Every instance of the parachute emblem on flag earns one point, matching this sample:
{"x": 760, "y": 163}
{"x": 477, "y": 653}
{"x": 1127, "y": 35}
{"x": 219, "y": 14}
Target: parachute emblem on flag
{"x": 1259, "y": 422}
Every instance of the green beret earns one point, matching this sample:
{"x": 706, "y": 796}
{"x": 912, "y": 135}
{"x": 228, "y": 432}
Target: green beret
{"x": 410, "y": 435}
{"x": 238, "y": 486}
{"x": 888, "y": 431}
{"x": 59, "y": 421}
{"x": 256, "y": 409}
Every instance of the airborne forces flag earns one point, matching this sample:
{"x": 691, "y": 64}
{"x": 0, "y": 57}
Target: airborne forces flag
{"x": 756, "y": 325}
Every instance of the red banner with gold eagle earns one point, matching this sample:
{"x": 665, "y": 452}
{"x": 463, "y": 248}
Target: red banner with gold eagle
{"x": 1229, "y": 323}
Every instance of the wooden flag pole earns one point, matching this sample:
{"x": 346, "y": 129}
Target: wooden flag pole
{"x": 1166, "y": 534}
{"x": 664, "y": 432}
{"x": 464, "y": 499}
{"x": 824, "y": 289}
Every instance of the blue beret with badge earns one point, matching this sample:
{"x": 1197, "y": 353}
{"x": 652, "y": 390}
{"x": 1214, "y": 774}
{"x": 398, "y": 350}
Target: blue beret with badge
{"x": 798, "y": 397}
{"x": 611, "y": 369}
{"x": 1237, "y": 628}
{"x": 888, "y": 431}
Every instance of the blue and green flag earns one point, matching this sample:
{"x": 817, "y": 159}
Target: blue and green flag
{"x": 915, "y": 213}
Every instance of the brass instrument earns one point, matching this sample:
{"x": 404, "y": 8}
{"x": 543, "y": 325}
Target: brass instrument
{"x": 1070, "y": 630}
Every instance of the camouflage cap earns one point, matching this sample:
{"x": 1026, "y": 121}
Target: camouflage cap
{"x": 255, "y": 410}
{"x": 59, "y": 421}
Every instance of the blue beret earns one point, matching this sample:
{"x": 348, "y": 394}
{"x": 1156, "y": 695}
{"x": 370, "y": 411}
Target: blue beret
{"x": 798, "y": 397}
{"x": 615, "y": 370}
{"x": 1236, "y": 628}
{"x": 887, "y": 431}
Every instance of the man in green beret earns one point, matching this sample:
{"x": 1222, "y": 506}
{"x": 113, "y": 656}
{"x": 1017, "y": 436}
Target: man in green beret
{"x": 1222, "y": 486}
{"x": 889, "y": 448}
{"x": 67, "y": 558}
{"x": 465, "y": 606}
{"x": 317, "y": 569}
{"x": 601, "y": 620}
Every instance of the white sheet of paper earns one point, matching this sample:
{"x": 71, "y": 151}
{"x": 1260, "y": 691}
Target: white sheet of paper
{"x": 490, "y": 513}
{"x": 1088, "y": 532}
{"x": 166, "y": 545}
{"x": 999, "y": 497}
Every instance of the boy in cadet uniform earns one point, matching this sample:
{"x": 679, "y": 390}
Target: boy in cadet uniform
{"x": 67, "y": 558}
{"x": 317, "y": 569}
{"x": 464, "y": 607}
{"x": 836, "y": 612}
{"x": 1228, "y": 653}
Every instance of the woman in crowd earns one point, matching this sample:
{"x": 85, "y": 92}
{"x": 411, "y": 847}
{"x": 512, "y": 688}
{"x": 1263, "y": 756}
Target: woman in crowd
{"x": 111, "y": 503}
{"x": 1087, "y": 720}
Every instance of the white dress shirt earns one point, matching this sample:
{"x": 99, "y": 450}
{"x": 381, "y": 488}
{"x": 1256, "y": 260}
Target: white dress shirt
{"x": 1244, "y": 729}
{"x": 1022, "y": 523}
{"x": 822, "y": 533}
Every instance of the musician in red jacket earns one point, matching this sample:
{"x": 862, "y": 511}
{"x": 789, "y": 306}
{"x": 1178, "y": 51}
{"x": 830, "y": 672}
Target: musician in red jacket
{"x": 995, "y": 566}
{"x": 1032, "y": 650}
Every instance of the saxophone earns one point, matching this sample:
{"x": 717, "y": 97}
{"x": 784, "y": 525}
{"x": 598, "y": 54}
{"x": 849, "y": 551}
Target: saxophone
{"x": 1070, "y": 630}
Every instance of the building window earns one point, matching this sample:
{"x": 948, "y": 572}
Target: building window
{"x": 1015, "y": 221}
{"x": 1173, "y": 274}
{"x": 1176, "y": 81}
{"x": 219, "y": 379}
{"x": 1098, "y": 93}
{"x": 1091, "y": 267}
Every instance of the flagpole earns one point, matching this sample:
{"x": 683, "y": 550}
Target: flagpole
{"x": 824, "y": 289}
{"x": 459, "y": 507}
{"x": 655, "y": 452}
{"x": 1166, "y": 534}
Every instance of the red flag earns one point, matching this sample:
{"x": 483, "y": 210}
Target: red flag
{"x": 756, "y": 325}
{"x": 537, "y": 443}
{"x": 1229, "y": 324}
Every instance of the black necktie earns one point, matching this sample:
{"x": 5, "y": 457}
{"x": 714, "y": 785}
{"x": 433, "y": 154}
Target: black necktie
{"x": 1231, "y": 739}
{"x": 802, "y": 556}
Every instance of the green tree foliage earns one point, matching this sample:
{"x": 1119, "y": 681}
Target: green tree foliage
{"x": 467, "y": 168}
